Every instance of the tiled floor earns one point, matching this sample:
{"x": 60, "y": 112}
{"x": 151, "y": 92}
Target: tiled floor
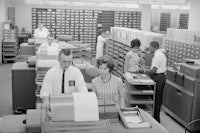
{"x": 6, "y": 101}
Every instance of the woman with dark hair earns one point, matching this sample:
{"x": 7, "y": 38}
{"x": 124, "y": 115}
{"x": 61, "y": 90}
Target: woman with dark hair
{"x": 100, "y": 44}
{"x": 107, "y": 85}
{"x": 132, "y": 59}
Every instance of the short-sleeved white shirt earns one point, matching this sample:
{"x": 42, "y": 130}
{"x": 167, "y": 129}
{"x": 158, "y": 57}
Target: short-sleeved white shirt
{"x": 52, "y": 83}
{"x": 41, "y": 33}
{"x": 159, "y": 61}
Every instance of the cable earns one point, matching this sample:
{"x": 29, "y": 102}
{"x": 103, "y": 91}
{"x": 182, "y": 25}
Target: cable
{"x": 190, "y": 123}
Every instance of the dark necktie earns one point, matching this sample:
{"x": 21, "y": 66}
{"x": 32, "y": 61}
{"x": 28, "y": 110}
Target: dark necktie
{"x": 63, "y": 82}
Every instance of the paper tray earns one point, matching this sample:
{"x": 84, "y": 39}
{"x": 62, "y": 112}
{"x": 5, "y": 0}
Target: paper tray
{"x": 132, "y": 118}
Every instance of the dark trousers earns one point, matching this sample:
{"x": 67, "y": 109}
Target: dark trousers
{"x": 160, "y": 80}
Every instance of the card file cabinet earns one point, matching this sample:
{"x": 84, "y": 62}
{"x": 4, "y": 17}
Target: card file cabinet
{"x": 179, "y": 50}
{"x": 23, "y": 86}
{"x": 181, "y": 101}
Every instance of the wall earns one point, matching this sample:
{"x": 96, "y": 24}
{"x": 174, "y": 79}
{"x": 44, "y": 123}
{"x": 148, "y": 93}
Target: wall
{"x": 146, "y": 17}
{"x": 3, "y": 5}
{"x": 194, "y": 18}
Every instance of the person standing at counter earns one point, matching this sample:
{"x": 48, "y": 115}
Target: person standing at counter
{"x": 132, "y": 59}
{"x": 41, "y": 32}
{"x": 63, "y": 78}
{"x": 158, "y": 74}
{"x": 100, "y": 44}
{"x": 107, "y": 85}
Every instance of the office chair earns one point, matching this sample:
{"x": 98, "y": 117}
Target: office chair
{"x": 197, "y": 126}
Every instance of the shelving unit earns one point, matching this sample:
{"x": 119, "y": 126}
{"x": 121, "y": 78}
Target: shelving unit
{"x": 118, "y": 52}
{"x": 9, "y": 45}
{"x": 129, "y": 19}
{"x": 183, "y": 21}
{"x": 141, "y": 92}
{"x": 164, "y": 21}
{"x": 83, "y": 24}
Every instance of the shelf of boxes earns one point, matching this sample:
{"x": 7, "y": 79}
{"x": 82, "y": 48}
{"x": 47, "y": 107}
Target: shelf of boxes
{"x": 82, "y": 24}
{"x": 164, "y": 21}
{"x": 129, "y": 19}
{"x": 183, "y": 21}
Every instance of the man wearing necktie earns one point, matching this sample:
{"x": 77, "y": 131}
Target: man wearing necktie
{"x": 63, "y": 78}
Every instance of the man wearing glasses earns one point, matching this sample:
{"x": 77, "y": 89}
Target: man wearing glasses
{"x": 63, "y": 78}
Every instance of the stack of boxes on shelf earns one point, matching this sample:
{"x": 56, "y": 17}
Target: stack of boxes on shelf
{"x": 165, "y": 21}
{"x": 10, "y": 45}
{"x": 183, "y": 20}
{"x": 81, "y": 24}
{"x": 119, "y": 44}
{"x": 129, "y": 19}
{"x": 181, "y": 43}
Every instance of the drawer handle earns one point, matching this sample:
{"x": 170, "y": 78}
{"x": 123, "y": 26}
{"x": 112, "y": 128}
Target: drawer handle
{"x": 178, "y": 92}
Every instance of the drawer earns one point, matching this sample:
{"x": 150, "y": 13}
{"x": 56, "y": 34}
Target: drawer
{"x": 183, "y": 105}
{"x": 177, "y": 101}
{"x": 171, "y": 74}
{"x": 179, "y": 79}
{"x": 190, "y": 70}
{"x": 168, "y": 96}
{"x": 189, "y": 83}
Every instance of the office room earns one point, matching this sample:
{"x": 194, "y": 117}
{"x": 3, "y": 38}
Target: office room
{"x": 93, "y": 66}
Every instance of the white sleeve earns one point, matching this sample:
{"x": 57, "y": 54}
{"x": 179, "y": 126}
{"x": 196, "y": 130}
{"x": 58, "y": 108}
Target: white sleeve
{"x": 156, "y": 61}
{"x": 47, "y": 31}
{"x": 47, "y": 87}
{"x": 36, "y": 33}
{"x": 80, "y": 82}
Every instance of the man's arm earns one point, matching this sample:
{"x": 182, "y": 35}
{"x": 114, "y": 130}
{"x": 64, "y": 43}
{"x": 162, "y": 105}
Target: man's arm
{"x": 80, "y": 82}
{"x": 46, "y": 89}
{"x": 36, "y": 33}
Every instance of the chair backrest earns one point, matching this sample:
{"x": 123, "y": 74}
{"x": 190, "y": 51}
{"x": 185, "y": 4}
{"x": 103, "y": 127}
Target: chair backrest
{"x": 193, "y": 126}
{"x": 92, "y": 71}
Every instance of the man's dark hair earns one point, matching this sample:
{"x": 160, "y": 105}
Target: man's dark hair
{"x": 105, "y": 59}
{"x": 66, "y": 52}
{"x": 135, "y": 43}
{"x": 154, "y": 44}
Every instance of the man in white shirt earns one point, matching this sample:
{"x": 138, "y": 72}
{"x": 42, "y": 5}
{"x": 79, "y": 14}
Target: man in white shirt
{"x": 50, "y": 42}
{"x": 158, "y": 74}
{"x": 63, "y": 78}
{"x": 41, "y": 32}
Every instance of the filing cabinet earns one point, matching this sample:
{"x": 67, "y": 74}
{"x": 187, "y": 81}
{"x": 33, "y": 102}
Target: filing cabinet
{"x": 181, "y": 94}
{"x": 191, "y": 70}
{"x": 23, "y": 86}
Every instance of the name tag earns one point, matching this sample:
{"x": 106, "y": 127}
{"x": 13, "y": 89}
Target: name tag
{"x": 71, "y": 83}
